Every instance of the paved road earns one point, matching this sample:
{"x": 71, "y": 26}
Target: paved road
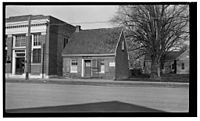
{"x": 25, "y": 95}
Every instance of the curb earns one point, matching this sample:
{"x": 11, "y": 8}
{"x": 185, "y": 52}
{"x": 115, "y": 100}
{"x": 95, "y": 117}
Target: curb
{"x": 95, "y": 82}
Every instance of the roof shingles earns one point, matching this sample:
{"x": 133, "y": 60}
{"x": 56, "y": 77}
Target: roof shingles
{"x": 168, "y": 56}
{"x": 94, "y": 41}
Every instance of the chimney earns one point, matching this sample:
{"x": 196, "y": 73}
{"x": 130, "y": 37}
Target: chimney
{"x": 78, "y": 28}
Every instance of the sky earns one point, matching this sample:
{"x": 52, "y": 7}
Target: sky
{"x": 88, "y": 17}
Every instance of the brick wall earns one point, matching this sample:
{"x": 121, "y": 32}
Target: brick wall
{"x": 66, "y": 67}
{"x": 53, "y": 48}
{"x": 109, "y": 71}
{"x": 121, "y": 59}
{"x": 35, "y": 69}
{"x": 8, "y": 68}
{"x": 9, "y": 55}
{"x": 58, "y": 31}
{"x": 44, "y": 54}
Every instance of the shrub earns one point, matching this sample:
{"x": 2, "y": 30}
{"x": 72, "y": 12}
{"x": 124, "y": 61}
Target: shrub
{"x": 137, "y": 72}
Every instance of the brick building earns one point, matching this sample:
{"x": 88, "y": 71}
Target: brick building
{"x": 96, "y": 53}
{"x": 49, "y": 36}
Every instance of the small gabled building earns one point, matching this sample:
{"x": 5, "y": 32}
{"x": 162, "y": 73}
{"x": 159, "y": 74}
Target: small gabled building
{"x": 49, "y": 36}
{"x": 183, "y": 63}
{"x": 96, "y": 53}
{"x": 173, "y": 62}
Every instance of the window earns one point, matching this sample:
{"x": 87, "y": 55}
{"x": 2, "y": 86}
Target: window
{"x": 182, "y": 66}
{"x": 65, "y": 42}
{"x": 36, "y": 55}
{"x": 36, "y": 48}
{"x": 102, "y": 67}
{"x": 74, "y": 65}
{"x": 122, "y": 45}
{"x": 112, "y": 64}
{"x": 36, "y": 39}
{"x": 20, "y": 40}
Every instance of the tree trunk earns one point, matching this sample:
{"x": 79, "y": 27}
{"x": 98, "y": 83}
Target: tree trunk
{"x": 155, "y": 70}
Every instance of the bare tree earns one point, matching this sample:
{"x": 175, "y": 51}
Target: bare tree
{"x": 154, "y": 29}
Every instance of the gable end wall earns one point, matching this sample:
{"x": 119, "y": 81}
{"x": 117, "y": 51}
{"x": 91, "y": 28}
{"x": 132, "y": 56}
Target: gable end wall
{"x": 121, "y": 59}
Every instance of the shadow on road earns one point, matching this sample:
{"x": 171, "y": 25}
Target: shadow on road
{"x": 112, "y": 106}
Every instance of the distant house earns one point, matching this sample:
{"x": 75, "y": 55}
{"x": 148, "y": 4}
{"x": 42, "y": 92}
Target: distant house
{"x": 49, "y": 36}
{"x": 174, "y": 62}
{"x": 97, "y": 53}
{"x": 183, "y": 64}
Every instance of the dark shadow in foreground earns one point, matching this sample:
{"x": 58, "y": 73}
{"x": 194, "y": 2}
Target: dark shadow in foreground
{"x": 112, "y": 106}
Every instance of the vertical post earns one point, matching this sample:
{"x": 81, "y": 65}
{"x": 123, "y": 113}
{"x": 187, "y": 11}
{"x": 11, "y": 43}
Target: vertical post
{"x": 42, "y": 55}
{"x": 43, "y": 44}
{"x": 28, "y": 50}
{"x": 82, "y": 70}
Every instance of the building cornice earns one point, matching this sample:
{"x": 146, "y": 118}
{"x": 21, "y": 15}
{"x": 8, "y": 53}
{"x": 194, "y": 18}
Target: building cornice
{"x": 39, "y": 22}
{"x": 20, "y": 26}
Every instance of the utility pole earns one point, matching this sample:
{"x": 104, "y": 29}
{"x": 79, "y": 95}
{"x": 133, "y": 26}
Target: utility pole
{"x": 28, "y": 50}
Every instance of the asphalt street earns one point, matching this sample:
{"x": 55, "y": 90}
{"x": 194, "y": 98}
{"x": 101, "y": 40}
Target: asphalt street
{"x": 27, "y": 95}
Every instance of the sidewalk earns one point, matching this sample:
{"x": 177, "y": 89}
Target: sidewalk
{"x": 97, "y": 82}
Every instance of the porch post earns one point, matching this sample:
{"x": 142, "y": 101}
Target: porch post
{"x": 28, "y": 51}
{"x": 82, "y": 69}
{"x": 13, "y": 62}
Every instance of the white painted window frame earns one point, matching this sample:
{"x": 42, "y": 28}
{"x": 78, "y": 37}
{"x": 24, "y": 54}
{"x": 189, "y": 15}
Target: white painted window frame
{"x": 34, "y": 47}
{"x": 14, "y": 41}
{"x": 73, "y": 66}
{"x": 112, "y": 64}
{"x": 33, "y": 35}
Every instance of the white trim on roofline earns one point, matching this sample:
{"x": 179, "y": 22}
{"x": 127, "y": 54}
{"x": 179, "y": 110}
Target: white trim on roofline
{"x": 182, "y": 54}
{"x": 118, "y": 41}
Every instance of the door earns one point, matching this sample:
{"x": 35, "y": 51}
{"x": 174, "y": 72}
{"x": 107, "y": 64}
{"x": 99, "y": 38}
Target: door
{"x": 20, "y": 65}
{"x": 87, "y": 68}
